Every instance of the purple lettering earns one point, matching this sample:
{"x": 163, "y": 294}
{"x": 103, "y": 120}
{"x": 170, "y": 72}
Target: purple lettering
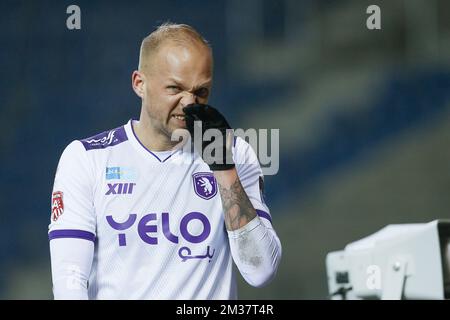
{"x": 112, "y": 188}
{"x": 143, "y": 229}
{"x": 166, "y": 228}
{"x": 122, "y": 226}
{"x": 185, "y": 232}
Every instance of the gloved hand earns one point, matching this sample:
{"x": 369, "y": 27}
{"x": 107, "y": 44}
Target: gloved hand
{"x": 220, "y": 157}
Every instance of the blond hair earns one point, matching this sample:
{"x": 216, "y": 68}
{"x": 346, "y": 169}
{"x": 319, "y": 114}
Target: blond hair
{"x": 181, "y": 34}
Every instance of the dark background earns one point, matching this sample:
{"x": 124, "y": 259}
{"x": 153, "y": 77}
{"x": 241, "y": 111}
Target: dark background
{"x": 364, "y": 115}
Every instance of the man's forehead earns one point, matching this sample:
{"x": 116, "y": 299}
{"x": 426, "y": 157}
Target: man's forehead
{"x": 176, "y": 61}
{"x": 175, "y": 54}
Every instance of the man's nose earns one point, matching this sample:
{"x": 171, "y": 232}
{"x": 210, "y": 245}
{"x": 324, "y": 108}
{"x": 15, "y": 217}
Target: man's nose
{"x": 188, "y": 98}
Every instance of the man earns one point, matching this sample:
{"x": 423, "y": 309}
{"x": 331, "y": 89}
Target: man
{"x": 135, "y": 216}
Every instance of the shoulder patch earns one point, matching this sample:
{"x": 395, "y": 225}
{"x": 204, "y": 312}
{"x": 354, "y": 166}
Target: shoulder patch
{"x": 105, "y": 139}
{"x": 57, "y": 205}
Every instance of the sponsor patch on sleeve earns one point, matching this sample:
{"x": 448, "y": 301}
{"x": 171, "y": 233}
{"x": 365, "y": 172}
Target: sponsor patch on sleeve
{"x": 105, "y": 139}
{"x": 57, "y": 205}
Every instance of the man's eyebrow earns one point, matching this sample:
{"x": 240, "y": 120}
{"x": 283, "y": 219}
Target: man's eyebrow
{"x": 176, "y": 82}
{"x": 203, "y": 85}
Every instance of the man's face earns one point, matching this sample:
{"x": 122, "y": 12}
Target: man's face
{"x": 178, "y": 76}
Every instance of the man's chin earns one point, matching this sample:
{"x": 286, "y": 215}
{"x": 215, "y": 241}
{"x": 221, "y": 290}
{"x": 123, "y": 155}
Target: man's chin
{"x": 177, "y": 133}
{"x": 173, "y": 127}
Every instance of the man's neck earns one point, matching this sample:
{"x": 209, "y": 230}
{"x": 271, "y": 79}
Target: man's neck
{"x": 151, "y": 139}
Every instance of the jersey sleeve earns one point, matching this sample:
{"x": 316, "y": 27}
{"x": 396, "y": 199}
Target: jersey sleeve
{"x": 256, "y": 248}
{"x": 71, "y": 262}
{"x": 72, "y": 209}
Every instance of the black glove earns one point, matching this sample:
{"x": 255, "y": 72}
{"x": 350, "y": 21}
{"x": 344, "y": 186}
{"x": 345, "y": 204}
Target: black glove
{"x": 211, "y": 119}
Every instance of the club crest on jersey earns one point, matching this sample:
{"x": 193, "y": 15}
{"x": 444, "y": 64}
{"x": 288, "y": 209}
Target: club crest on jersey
{"x": 57, "y": 205}
{"x": 205, "y": 185}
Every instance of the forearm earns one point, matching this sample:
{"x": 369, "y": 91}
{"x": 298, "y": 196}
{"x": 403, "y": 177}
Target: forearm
{"x": 254, "y": 245}
{"x": 256, "y": 251}
{"x": 238, "y": 210}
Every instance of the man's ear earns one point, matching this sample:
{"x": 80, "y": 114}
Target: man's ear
{"x": 137, "y": 82}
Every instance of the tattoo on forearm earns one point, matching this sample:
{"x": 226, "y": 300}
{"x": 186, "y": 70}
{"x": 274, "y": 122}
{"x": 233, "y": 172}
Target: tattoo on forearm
{"x": 237, "y": 206}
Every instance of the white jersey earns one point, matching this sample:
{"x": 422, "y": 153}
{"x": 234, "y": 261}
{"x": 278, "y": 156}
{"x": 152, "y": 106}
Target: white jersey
{"x": 154, "y": 219}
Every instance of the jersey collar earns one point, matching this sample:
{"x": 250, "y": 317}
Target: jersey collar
{"x": 160, "y": 156}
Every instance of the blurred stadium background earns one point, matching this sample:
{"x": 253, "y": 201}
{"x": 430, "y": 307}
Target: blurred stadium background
{"x": 364, "y": 116}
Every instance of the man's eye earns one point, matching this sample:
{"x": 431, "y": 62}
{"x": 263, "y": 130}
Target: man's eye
{"x": 202, "y": 93}
{"x": 174, "y": 89}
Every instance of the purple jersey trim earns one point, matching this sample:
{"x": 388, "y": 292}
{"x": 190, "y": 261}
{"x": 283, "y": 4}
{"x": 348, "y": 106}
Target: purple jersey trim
{"x": 264, "y": 214}
{"x": 105, "y": 139}
{"x": 77, "y": 234}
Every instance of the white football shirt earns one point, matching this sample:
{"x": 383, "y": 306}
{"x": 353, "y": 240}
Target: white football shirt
{"x": 154, "y": 219}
